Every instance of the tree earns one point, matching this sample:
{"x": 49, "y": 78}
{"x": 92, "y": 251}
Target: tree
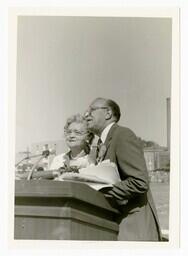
{"x": 149, "y": 144}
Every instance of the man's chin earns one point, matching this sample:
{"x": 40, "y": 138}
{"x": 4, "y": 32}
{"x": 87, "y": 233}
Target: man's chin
{"x": 90, "y": 128}
{"x": 89, "y": 125}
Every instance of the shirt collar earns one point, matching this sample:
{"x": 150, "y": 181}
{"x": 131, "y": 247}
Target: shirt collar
{"x": 106, "y": 131}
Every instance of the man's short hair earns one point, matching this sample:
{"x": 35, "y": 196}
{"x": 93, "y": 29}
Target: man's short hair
{"x": 114, "y": 108}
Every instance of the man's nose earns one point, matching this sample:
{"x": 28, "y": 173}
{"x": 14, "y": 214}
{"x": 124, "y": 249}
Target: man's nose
{"x": 86, "y": 114}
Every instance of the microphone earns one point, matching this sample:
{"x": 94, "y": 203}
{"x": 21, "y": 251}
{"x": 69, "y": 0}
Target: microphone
{"x": 48, "y": 152}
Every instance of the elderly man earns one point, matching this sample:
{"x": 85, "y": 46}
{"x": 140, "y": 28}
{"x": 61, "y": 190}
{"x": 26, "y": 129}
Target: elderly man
{"x": 138, "y": 220}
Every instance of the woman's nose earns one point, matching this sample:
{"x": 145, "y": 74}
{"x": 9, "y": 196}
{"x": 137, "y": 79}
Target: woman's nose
{"x": 72, "y": 135}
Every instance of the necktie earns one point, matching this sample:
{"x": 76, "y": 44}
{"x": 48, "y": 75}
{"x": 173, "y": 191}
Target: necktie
{"x": 99, "y": 145}
{"x": 99, "y": 142}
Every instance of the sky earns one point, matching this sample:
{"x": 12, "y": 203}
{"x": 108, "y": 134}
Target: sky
{"x": 63, "y": 63}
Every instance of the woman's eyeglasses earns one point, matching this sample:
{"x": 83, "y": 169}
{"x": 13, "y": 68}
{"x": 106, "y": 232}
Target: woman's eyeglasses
{"x": 76, "y": 133}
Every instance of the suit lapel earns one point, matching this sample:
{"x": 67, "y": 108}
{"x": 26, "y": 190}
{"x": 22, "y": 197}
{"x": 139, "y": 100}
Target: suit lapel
{"x": 109, "y": 137}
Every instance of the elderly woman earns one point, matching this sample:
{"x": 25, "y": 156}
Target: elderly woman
{"x": 78, "y": 139}
{"x": 79, "y": 163}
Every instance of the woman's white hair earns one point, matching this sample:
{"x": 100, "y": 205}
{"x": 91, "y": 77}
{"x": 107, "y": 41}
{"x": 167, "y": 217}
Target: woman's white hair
{"x": 78, "y": 118}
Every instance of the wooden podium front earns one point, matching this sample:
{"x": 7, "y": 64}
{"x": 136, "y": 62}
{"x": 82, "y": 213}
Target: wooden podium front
{"x": 56, "y": 210}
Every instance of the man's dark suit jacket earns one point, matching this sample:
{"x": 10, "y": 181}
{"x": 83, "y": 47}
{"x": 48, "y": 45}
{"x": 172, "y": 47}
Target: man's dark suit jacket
{"x": 138, "y": 220}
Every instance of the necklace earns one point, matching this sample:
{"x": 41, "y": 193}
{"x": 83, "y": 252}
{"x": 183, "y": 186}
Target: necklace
{"x": 81, "y": 154}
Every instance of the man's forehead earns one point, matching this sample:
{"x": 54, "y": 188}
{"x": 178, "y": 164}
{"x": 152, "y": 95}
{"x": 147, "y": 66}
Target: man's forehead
{"x": 98, "y": 103}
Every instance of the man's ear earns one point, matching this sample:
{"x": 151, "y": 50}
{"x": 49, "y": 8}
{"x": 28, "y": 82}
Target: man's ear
{"x": 108, "y": 114}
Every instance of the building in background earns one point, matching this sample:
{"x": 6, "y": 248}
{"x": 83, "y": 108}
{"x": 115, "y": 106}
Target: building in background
{"x": 157, "y": 158}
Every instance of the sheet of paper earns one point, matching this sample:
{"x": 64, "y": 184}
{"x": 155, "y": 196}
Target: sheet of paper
{"x": 102, "y": 175}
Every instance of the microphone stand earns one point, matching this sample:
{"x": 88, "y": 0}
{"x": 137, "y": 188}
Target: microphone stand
{"x": 45, "y": 153}
{"x": 33, "y": 168}
{"x": 27, "y": 158}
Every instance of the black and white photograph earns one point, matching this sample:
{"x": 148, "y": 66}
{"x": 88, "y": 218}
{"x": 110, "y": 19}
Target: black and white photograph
{"x": 95, "y": 98}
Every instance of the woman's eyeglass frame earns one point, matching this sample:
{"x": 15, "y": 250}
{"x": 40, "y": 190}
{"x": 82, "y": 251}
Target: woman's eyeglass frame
{"x": 76, "y": 133}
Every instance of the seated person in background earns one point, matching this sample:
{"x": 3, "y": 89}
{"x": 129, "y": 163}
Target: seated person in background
{"x": 78, "y": 139}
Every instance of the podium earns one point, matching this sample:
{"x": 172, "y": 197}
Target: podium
{"x": 56, "y": 210}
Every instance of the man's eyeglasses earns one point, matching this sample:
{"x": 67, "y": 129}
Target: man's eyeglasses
{"x": 92, "y": 109}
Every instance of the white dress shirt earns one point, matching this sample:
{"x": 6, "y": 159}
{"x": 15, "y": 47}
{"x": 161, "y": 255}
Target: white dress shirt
{"x": 105, "y": 132}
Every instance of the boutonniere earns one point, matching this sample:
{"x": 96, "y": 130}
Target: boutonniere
{"x": 101, "y": 154}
